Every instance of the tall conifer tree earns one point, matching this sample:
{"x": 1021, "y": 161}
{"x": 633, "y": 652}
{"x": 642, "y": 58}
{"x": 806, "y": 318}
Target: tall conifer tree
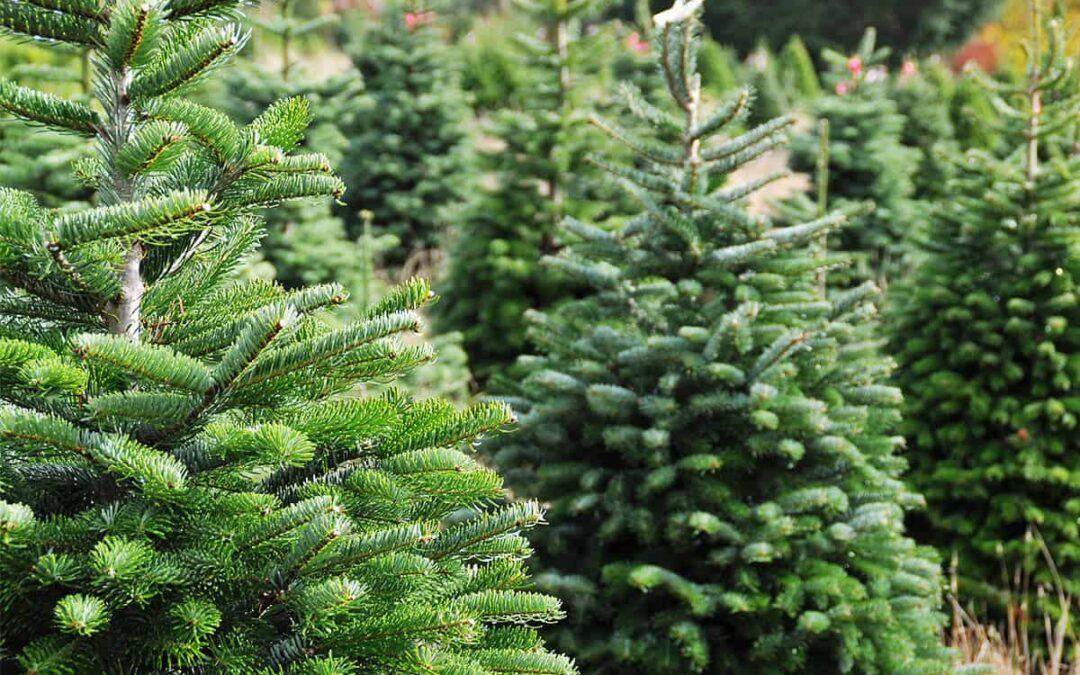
{"x": 540, "y": 170}
{"x": 867, "y": 161}
{"x": 406, "y": 159}
{"x": 306, "y": 241}
{"x": 987, "y": 331}
{"x": 185, "y": 486}
{"x": 713, "y": 433}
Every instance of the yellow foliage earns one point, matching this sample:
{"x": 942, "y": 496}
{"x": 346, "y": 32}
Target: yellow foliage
{"x": 1013, "y": 28}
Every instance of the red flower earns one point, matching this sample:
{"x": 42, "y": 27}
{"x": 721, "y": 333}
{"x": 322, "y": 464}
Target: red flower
{"x": 1023, "y": 436}
{"x": 634, "y": 41}
{"x": 908, "y": 68}
{"x": 843, "y": 88}
{"x": 413, "y": 20}
{"x": 854, "y": 66}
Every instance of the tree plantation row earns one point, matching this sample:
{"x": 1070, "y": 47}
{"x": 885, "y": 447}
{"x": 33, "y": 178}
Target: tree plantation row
{"x": 532, "y": 342}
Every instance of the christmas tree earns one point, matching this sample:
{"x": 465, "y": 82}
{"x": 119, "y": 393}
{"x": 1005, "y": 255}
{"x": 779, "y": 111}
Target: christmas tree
{"x": 540, "y": 175}
{"x": 306, "y": 241}
{"x": 406, "y": 159}
{"x": 35, "y": 159}
{"x": 923, "y": 93}
{"x": 987, "y": 331}
{"x": 714, "y": 435}
{"x": 867, "y": 161}
{"x": 798, "y": 69}
{"x": 185, "y": 485}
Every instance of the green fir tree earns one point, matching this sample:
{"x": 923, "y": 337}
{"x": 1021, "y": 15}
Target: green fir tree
{"x": 306, "y": 242}
{"x": 798, "y": 70}
{"x": 868, "y": 162}
{"x": 185, "y": 484}
{"x": 715, "y": 436}
{"x": 540, "y": 174}
{"x": 719, "y": 66}
{"x": 923, "y": 93}
{"x": 406, "y": 160}
{"x": 31, "y": 158}
{"x": 987, "y": 332}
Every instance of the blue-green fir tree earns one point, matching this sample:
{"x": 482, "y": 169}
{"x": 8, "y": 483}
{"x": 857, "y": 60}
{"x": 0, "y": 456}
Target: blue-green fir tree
{"x": 867, "y": 161}
{"x": 406, "y": 158}
{"x": 923, "y": 93}
{"x": 186, "y": 485}
{"x": 714, "y": 435}
{"x": 306, "y": 241}
{"x": 32, "y": 158}
{"x": 987, "y": 332}
{"x": 540, "y": 174}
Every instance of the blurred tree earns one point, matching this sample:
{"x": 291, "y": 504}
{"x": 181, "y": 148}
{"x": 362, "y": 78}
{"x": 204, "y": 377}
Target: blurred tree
{"x": 867, "y": 162}
{"x": 407, "y": 159}
{"x": 306, "y": 242}
{"x": 923, "y": 95}
{"x": 713, "y": 434}
{"x": 987, "y": 333}
{"x": 539, "y": 174}
{"x": 918, "y": 26}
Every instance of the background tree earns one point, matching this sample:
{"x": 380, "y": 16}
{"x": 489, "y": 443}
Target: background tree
{"x": 185, "y": 484}
{"x": 987, "y": 332}
{"x": 306, "y": 241}
{"x": 713, "y": 433}
{"x": 540, "y": 175}
{"x": 867, "y": 161}
{"x": 907, "y": 25}
{"x": 406, "y": 160}
{"x": 36, "y": 159}
{"x": 923, "y": 93}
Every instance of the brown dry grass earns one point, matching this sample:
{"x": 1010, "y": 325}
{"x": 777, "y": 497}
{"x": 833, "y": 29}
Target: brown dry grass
{"x": 1008, "y": 647}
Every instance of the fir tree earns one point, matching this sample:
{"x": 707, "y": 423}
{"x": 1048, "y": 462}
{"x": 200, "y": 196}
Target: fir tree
{"x": 771, "y": 98}
{"x": 987, "y": 331}
{"x": 867, "y": 161}
{"x": 540, "y": 175}
{"x": 922, "y": 96}
{"x": 35, "y": 159}
{"x": 185, "y": 486}
{"x": 719, "y": 67}
{"x": 714, "y": 436}
{"x": 407, "y": 159}
{"x": 972, "y": 113}
{"x": 306, "y": 241}
{"x": 798, "y": 70}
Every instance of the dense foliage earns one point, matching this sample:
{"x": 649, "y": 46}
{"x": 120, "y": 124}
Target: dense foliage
{"x": 185, "y": 483}
{"x": 306, "y": 242}
{"x": 987, "y": 331}
{"x": 909, "y": 25}
{"x": 867, "y": 161}
{"x": 35, "y": 159}
{"x": 406, "y": 159}
{"x": 713, "y": 433}
{"x": 540, "y": 175}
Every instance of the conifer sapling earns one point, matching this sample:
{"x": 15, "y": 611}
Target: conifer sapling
{"x": 987, "y": 332}
{"x": 185, "y": 483}
{"x": 714, "y": 434}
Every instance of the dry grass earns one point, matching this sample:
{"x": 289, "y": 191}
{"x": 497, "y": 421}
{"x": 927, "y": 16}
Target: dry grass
{"x": 1008, "y": 648}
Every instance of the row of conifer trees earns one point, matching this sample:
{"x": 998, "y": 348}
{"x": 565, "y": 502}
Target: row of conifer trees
{"x": 202, "y": 471}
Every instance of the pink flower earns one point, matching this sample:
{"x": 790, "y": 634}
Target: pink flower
{"x": 413, "y": 20}
{"x": 842, "y": 88}
{"x": 854, "y": 66}
{"x": 908, "y": 68}
{"x": 634, "y": 41}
